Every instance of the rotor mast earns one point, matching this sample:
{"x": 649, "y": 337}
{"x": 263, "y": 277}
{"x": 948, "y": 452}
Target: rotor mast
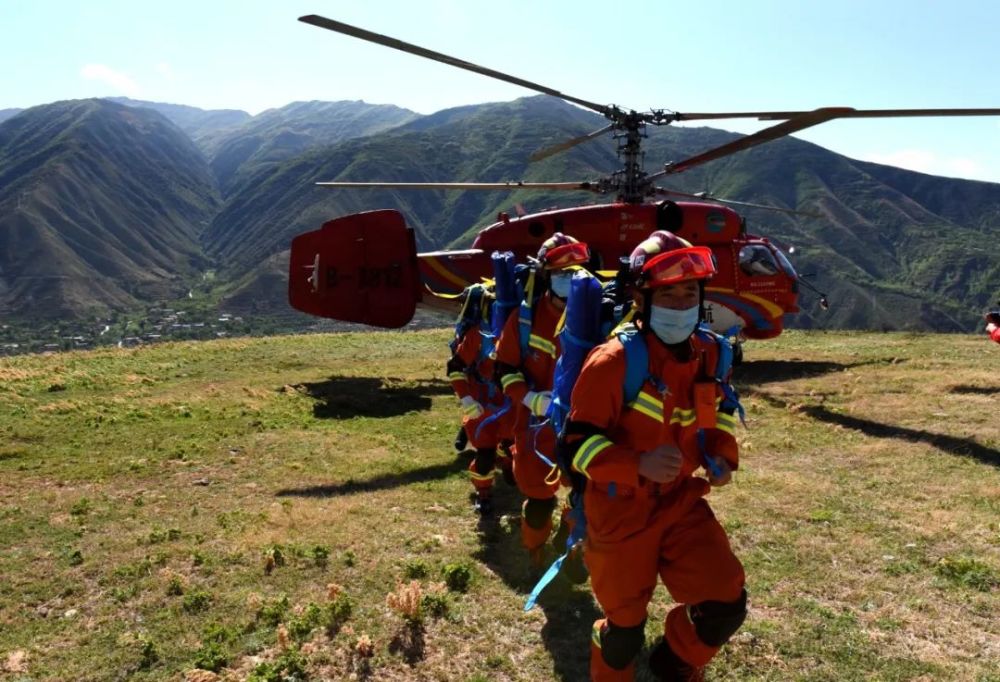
{"x": 631, "y": 181}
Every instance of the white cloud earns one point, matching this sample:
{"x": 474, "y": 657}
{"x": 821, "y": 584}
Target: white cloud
{"x": 165, "y": 70}
{"x": 117, "y": 80}
{"x": 925, "y": 161}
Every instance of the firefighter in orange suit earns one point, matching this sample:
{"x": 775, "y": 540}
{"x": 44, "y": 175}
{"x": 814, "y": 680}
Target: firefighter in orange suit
{"x": 646, "y": 516}
{"x": 993, "y": 324}
{"x": 487, "y": 424}
{"x": 526, "y": 365}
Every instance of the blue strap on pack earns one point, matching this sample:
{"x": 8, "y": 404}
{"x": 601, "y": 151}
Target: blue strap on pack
{"x": 576, "y": 536}
{"x": 636, "y": 362}
{"x": 581, "y": 332}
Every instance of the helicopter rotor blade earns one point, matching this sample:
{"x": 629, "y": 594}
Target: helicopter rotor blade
{"x": 705, "y": 196}
{"x": 487, "y": 186}
{"x": 848, "y": 112}
{"x": 792, "y": 125}
{"x": 568, "y": 144}
{"x": 379, "y": 39}
{"x": 795, "y": 121}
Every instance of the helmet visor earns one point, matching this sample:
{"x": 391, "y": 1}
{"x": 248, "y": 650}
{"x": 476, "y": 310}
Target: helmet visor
{"x": 679, "y": 265}
{"x": 566, "y": 255}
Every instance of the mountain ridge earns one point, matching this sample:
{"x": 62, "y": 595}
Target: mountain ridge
{"x": 894, "y": 249}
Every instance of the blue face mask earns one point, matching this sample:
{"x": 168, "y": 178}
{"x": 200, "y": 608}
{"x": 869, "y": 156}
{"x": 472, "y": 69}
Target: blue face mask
{"x": 560, "y": 284}
{"x": 673, "y": 326}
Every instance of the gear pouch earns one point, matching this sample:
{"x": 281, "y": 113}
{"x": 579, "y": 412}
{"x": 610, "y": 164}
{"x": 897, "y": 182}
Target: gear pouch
{"x": 704, "y": 404}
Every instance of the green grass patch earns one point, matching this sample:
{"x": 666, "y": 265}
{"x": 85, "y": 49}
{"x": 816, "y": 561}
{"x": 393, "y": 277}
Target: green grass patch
{"x": 248, "y": 506}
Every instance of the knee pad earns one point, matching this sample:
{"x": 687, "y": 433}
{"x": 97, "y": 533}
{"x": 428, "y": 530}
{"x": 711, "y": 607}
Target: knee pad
{"x": 486, "y": 459}
{"x": 619, "y": 645}
{"x": 716, "y": 621}
{"x": 538, "y": 513}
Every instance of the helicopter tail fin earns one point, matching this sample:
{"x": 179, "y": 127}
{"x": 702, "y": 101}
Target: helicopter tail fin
{"x": 358, "y": 268}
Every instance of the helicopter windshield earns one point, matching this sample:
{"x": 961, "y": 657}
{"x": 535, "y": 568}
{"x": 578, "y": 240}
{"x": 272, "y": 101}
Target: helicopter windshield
{"x": 786, "y": 264}
{"x": 757, "y": 260}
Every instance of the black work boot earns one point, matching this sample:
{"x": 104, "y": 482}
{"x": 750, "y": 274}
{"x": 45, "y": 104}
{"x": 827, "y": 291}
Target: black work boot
{"x": 484, "y": 505}
{"x": 461, "y": 440}
{"x": 669, "y": 667}
{"x": 507, "y": 470}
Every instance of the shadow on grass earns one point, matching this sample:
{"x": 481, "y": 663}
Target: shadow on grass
{"x": 770, "y": 371}
{"x": 975, "y": 390}
{"x": 757, "y": 372}
{"x": 342, "y": 397}
{"x": 409, "y": 642}
{"x": 965, "y": 447}
{"x": 383, "y": 482}
{"x": 569, "y": 611}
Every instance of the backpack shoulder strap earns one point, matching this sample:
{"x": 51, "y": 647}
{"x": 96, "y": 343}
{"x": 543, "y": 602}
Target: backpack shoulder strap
{"x": 525, "y": 315}
{"x": 636, "y": 362}
{"x": 723, "y": 367}
{"x": 724, "y": 359}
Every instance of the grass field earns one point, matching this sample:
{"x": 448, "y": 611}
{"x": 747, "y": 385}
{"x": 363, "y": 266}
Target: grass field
{"x": 292, "y": 508}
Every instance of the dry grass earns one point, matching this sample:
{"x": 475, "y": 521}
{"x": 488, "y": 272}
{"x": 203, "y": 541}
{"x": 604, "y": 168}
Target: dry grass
{"x": 257, "y": 500}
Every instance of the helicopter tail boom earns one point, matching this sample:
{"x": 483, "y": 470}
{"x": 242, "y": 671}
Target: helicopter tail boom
{"x": 364, "y": 268}
{"x": 359, "y": 268}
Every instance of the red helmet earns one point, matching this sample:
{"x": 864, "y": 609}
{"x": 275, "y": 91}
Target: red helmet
{"x": 561, "y": 251}
{"x": 664, "y": 258}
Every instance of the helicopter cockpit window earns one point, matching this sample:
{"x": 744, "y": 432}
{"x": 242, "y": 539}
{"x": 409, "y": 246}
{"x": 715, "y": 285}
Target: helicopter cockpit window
{"x": 786, "y": 265}
{"x": 756, "y": 259}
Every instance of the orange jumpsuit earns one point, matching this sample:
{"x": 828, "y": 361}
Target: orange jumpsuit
{"x": 472, "y": 375}
{"x": 995, "y": 333}
{"x": 518, "y": 375}
{"x": 638, "y": 530}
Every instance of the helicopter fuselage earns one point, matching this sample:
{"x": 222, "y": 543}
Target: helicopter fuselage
{"x": 364, "y": 267}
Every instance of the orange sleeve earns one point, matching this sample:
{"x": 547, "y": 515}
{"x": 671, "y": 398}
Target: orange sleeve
{"x": 468, "y": 348}
{"x": 995, "y": 334}
{"x": 509, "y": 360}
{"x": 465, "y": 357}
{"x": 597, "y": 402}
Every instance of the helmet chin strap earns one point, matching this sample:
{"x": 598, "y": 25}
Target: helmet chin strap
{"x": 647, "y": 309}
{"x": 701, "y": 301}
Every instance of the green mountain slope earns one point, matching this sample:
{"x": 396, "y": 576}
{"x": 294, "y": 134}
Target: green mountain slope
{"x": 101, "y": 206}
{"x": 487, "y": 143}
{"x": 201, "y": 125}
{"x": 893, "y": 248}
{"x": 240, "y": 154}
{"x": 8, "y": 113}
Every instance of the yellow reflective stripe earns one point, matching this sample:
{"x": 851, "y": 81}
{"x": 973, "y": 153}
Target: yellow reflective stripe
{"x": 648, "y": 405}
{"x": 480, "y": 477}
{"x": 587, "y": 451}
{"x": 471, "y": 410}
{"x": 544, "y": 345}
{"x": 725, "y": 422}
{"x": 535, "y": 403}
{"x": 683, "y": 417}
{"x": 456, "y": 376}
{"x": 508, "y": 379}
{"x": 595, "y": 634}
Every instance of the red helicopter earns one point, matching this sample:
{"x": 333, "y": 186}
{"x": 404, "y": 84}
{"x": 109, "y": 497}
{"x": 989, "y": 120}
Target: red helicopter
{"x": 365, "y": 267}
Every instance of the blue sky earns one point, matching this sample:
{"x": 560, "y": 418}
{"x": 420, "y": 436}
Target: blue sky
{"x": 686, "y": 56}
